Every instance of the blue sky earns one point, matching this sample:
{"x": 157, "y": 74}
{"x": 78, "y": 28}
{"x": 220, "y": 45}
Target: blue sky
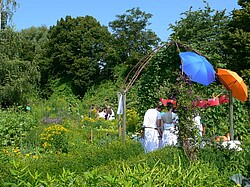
{"x": 47, "y": 12}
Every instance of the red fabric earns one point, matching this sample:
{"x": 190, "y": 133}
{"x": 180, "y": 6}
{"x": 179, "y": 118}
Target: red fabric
{"x": 165, "y": 101}
{"x": 202, "y": 104}
{"x": 224, "y": 99}
{"x": 213, "y": 101}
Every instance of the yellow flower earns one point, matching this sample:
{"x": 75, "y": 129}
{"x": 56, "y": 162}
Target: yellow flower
{"x": 45, "y": 144}
{"x": 16, "y": 150}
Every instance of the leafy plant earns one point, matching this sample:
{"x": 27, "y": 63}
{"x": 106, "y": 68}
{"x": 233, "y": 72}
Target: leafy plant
{"x": 14, "y": 126}
{"x": 55, "y": 138}
{"x": 133, "y": 123}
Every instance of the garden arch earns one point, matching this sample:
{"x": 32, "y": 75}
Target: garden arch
{"x": 143, "y": 62}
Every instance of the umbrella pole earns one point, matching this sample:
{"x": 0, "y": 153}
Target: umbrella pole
{"x": 231, "y": 115}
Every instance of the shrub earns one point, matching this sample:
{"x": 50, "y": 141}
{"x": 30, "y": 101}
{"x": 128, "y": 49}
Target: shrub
{"x": 173, "y": 174}
{"x": 54, "y": 138}
{"x": 134, "y": 122}
{"x": 14, "y": 126}
{"x": 227, "y": 161}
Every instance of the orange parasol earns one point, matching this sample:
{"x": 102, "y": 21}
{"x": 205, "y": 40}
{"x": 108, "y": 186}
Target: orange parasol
{"x": 232, "y": 81}
{"x": 237, "y": 89}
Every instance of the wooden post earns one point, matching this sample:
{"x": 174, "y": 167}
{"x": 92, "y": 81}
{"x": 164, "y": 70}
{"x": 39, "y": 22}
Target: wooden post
{"x": 231, "y": 115}
{"x": 124, "y": 117}
{"x": 91, "y": 136}
{"x": 119, "y": 117}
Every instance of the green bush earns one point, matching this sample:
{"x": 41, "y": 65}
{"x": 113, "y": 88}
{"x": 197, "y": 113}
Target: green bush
{"x": 54, "y": 138}
{"x": 134, "y": 122}
{"x": 227, "y": 161}
{"x": 14, "y": 126}
{"x": 96, "y": 156}
{"x": 137, "y": 170}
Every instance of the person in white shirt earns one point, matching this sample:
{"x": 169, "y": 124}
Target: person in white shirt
{"x": 101, "y": 113}
{"x": 152, "y": 128}
{"x": 110, "y": 113}
{"x": 170, "y": 131}
{"x": 198, "y": 125}
{"x": 199, "y": 129}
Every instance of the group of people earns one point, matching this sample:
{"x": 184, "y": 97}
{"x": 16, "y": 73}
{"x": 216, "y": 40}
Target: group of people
{"x": 106, "y": 112}
{"x": 160, "y": 128}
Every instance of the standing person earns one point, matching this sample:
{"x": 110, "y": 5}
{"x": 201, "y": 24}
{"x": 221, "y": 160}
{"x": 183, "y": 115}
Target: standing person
{"x": 110, "y": 113}
{"x": 105, "y": 113}
{"x": 101, "y": 113}
{"x": 198, "y": 125}
{"x": 169, "y": 118}
{"x": 152, "y": 126}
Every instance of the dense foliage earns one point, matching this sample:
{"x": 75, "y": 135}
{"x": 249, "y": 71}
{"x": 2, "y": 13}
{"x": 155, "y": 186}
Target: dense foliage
{"x": 202, "y": 30}
{"x": 132, "y": 38}
{"x": 87, "y": 151}
{"x": 237, "y": 40}
{"x": 18, "y": 80}
{"x": 32, "y": 41}
{"x": 75, "y": 48}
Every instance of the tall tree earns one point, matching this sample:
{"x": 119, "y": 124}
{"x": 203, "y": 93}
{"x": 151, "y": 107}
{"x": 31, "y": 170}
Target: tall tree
{"x": 202, "y": 30}
{"x": 133, "y": 39}
{"x": 18, "y": 80}
{"x": 7, "y": 7}
{"x": 10, "y": 44}
{"x": 75, "y": 49}
{"x": 243, "y": 2}
{"x": 32, "y": 42}
{"x": 237, "y": 41}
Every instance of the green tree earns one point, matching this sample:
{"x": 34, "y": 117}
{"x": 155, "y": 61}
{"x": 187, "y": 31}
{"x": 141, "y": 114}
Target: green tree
{"x": 33, "y": 40}
{"x": 237, "y": 41}
{"x": 237, "y": 45}
{"x": 18, "y": 80}
{"x": 7, "y": 7}
{"x": 198, "y": 30}
{"x": 202, "y": 30}
{"x": 75, "y": 50}
{"x": 157, "y": 78}
{"x": 133, "y": 39}
{"x": 243, "y": 2}
{"x": 10, "y": 44}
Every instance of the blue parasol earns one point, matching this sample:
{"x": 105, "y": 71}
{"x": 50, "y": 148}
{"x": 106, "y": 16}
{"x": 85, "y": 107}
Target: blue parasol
{"x": 197, "y": 68}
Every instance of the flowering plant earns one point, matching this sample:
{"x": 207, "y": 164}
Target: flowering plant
{"x": 55, "y": 138}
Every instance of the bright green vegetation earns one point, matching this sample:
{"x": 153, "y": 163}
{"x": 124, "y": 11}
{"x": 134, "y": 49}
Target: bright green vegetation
{"x": 43, "y": 147}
